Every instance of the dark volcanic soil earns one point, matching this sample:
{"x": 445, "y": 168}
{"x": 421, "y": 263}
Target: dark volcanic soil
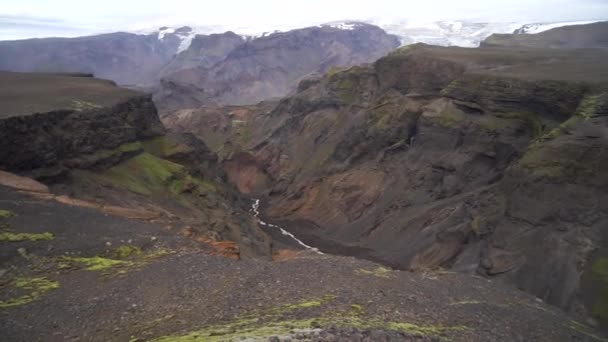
{"x": 189, "y": 295}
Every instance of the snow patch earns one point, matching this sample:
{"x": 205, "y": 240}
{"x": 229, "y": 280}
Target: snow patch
{"x": 542, "y": 27}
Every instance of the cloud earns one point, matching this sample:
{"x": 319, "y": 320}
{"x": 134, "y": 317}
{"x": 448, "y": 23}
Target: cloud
{"x": 72, "y": 16}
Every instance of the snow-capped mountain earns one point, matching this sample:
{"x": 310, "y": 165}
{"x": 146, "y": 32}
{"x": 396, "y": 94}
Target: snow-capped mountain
{"x": 463, "y": 33}
{"x": 444, "y": 33}
{"x": 541, "y": 27}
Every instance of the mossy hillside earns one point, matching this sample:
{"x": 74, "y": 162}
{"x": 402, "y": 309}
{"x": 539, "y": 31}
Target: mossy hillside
{"x": 346, "y": 83}
{"x": 587, "y": 109}
{"x": 277, "y": 322}
{"x": 162, "y": 147}
{"x": 112, "y": 155}
{"x": 147, "y": 174}
{"x": 34, "y": 289}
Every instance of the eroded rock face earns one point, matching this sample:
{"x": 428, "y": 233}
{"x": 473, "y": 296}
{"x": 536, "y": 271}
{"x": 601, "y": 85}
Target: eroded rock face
{"x": 470, "y": 160}
{"x": 271, "y": 66}
{"x": 125, "y": 58}
{"x": 116, "y": 156}
{"x": 569, "y": 37}
{"x": 43, "y": 140}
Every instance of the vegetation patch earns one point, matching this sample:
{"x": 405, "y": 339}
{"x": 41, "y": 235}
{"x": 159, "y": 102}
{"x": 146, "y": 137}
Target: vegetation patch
{"x": 17, "y": 237}
{"x": 144, "y": 174}
{"x": 95, "y": 263}
{"x": 377, "y": 272}
{"x": 125, "y": 258}
{"x": 162, "y": 147}
{"x": 4, "y": 214}
{"x": 124, "y": 252}
{"x": 261, "y": 326}
{"x": 35, "y": 288}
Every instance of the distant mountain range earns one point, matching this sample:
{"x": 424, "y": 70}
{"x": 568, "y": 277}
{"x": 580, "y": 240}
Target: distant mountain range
{"x": 188, "y": 66}
{"x": 444, "y": 33}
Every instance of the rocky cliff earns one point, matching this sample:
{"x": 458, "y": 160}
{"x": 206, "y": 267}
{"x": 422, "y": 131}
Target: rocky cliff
{"x": 93, "y": 141}
{"x": 272, "y": 66}
{"x": 576, "y": 36}
{"x": 125, "y": 58}
{"x": 486, "y": 161}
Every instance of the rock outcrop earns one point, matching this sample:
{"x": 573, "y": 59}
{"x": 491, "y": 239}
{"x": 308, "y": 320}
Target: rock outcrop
{"x": 125, "y": 58}
{"x": 571, "y": 37}
{"x": 111, "y": 149}
{"x": 486, "y": 161}
{"x": 270, "y": 66}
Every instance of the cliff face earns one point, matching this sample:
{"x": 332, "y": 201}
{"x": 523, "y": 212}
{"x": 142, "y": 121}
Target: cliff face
{"x": 571, "y": 37}
{"x": 476, "y": 160}
{"x": 272, "y": 66}
{"x": 113, "y": 150}
{"x": 125, "y": 58}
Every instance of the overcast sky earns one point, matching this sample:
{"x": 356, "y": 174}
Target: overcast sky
{"x": 37, "y": 18}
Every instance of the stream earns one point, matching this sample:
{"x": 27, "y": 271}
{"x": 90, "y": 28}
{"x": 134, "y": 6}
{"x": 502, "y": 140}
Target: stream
{"x": 255, "y": 208}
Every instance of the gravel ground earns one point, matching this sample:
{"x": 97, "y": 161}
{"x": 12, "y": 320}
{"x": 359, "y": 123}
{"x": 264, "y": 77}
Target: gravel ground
{"x": 186, "y": 294}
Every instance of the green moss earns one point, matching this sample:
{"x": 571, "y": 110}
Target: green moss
{"x": 95, "y": 263}
{"x": 17, "y": 237}
{"x": 274, "y": 323}
{"x": 162, "y": 147}
{"x": 119, "y": 151}
{"x": 144, "y": 174}
{"x": 599, "y": 271}
{"x": 589, "y": 105}
{"x": 115, "y": 265}
{"x": 124, "y": 252}
{"x": 347, "y": 90}
{"x": 148, "y": 174}
{"x": 6, "y": 214}
{"x": 36, "y": 288}
{"x": 378, "y": 272}
{"x": 333, "y": 71}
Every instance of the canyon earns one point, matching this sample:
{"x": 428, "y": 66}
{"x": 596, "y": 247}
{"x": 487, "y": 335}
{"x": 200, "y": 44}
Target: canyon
{"x": 359, "y": 192}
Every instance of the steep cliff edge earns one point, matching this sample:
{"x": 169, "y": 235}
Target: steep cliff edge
{"x": 486, "y": 161}
{"x": 93, "y": 141}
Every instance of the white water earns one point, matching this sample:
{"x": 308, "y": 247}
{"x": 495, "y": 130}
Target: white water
{"x": 255, "y": 208}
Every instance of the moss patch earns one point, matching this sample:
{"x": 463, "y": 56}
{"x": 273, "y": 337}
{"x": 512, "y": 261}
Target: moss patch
{"x": 377, "y": 272}
{"x": 92, "y": 263}
{"x": 35, "y": 288}
{"x": 274, "y": 323}
{"x": 162, "y": 147}
{"x": 124, "y": 252}
{"x": 123, "y": 260}
{"x": 144, "y": 174}
{"x": 17, "y": 237}
{"x": 4, "y": 214}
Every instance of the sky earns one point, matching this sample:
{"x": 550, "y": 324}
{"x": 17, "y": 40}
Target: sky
{"x": 43, "y": 18}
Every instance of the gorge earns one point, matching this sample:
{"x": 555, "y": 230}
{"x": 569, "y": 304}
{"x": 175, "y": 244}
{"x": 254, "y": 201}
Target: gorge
{"x": 321, "y": 184}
